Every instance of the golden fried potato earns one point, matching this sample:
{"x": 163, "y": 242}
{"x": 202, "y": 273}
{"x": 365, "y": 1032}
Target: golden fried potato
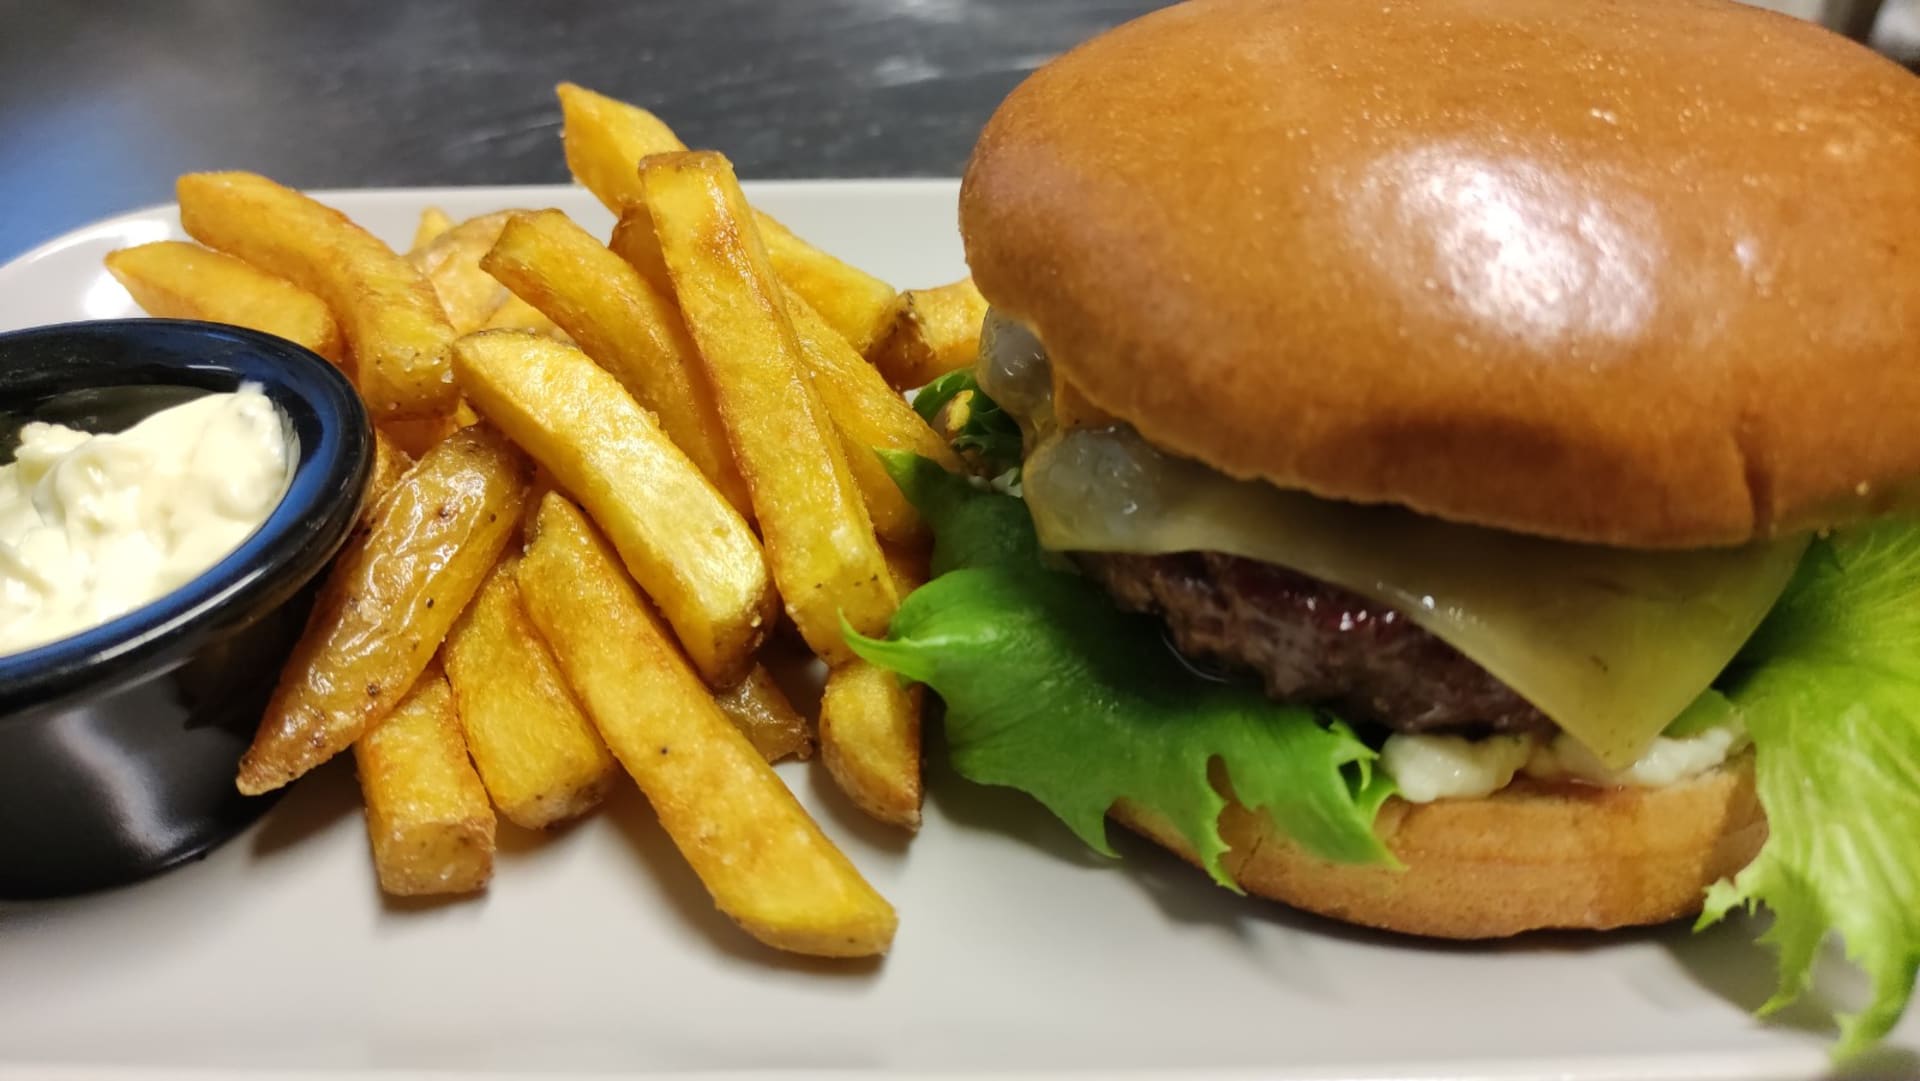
{"x": 388, "y": 602}
{"x": 870, "y": 741}
{"x": 933, "y": 332}
{"x": 762, "y": 712}
{"x": 626, "y": 325}
{"x": 605, "y": 139}
{"x": 427, "y": 815}
{"x": 820, "y": 541}
{"x": 866, "y": 413}
{"x": 690, "y": 550}
{"x": 418, "y": 435}
{"x": 538, "y": 755}
{"x": 857, "y": 305}
{"x": 870, "y": 416}
{"x": 390, "y": 463}
{"x": 907, "y": 565}
{"x": 451, "y": 262}
{"x": 759, "y": 853}
{"x": 517, "y": 314}
{"x": 176, "y": 280}
{"x": 433, "y": 222}
{"x": 394, "y": 325}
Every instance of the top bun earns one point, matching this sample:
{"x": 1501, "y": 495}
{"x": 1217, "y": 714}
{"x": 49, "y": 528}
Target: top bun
{"x": 1642, "y": 273}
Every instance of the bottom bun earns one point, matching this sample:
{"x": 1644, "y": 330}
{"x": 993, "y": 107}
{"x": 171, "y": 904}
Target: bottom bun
{"x": 1529, "y": 857}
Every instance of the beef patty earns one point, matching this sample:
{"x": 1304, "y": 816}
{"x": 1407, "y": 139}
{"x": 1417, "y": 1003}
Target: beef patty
{"x": 1313, "y": 642}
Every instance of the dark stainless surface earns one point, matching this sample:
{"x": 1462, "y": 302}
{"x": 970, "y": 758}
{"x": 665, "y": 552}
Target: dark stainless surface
{"x": 102, "y": 102}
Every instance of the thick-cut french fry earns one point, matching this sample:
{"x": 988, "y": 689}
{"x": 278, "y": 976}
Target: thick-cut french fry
{"x": 626, "y": 325}
{"x": 538, "y": 755}
{"x": 390, "y": 463}
{"x": 870, "y": 417}
{"x": 760, "y": 855}
{"x": 418, "y": 435}
{"x": 394, "y": 325}
{"x": 867, "y": 414}
{"x": 908, "y": 566}
{"x": 451, "y": 263}
{"x": 388, "y": 602}
{"x": 934, "y": 331}
{"x": 604, "y": 140}
{"x": 427, "y": 815}
{"x": 761, "y": 711}
{"x": 856, "y": 304}
{"x": 870, "y": 741}
{"x": 517, "y": 314}
{"x": 690, "y": 550}
{"x": 433, "y": 222}
{"x": 176, "y": 280}
{"x": 820, "y": 541}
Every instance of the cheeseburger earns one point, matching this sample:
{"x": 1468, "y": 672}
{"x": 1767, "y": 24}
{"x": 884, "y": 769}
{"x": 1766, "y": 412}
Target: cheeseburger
{"x": 1465, "y": 442}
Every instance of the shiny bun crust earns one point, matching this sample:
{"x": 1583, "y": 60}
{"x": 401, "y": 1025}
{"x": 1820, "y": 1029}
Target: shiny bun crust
{"x": 1643, "y": 273}
{"x": 1526, "y": 858}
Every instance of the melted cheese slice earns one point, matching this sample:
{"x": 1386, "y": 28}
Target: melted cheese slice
{"x": 1612, "y": 644}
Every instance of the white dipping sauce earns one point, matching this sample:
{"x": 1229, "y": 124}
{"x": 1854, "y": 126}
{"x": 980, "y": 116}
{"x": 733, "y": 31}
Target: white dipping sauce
{"x": 94, "y": 526}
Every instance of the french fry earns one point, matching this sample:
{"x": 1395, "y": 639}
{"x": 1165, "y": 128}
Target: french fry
{"x": 933, "y": 332}
{"x": 866, "y": 412}
{"x": 604, "y": 140}
{"x": 175, "y": 280}
{"x": 761, "y": 711}
{"x": 388, "y": 602}
{"x": 427, "y": 816}
{"x": 870, "y": 724}
{"x": 433, "y": 222}
{"x": 451, "y": 263}
{"x": 517, "y": 314}
{"x": 394, "y": 326}
{"x": 538, "y": 755}
{"x": 418, "y": 435}
{"x": 908, "y": 566}
{"x": 870, "y": 417}
{"x": 626, "y": 325}
{"x": 856, "y": 304}
{"x": 390, "y": 463}
{"x": 870, "y": 741}
{"x": 820, "y": 542}
{"x": 690, "y": 550}
{"x": 760, "y": 855}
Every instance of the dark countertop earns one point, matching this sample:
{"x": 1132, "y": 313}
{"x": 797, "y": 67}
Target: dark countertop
{"x": 102, "y": 103}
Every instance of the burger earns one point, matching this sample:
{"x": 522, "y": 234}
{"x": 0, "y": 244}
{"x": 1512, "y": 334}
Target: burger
{"x": 1444, "y": 464}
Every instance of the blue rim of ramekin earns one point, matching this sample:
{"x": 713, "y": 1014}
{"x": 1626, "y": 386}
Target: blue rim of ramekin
{"x": 334, "y": 455}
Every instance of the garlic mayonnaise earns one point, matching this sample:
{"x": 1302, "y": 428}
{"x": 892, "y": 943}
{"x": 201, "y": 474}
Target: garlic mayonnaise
{"x": 1428, "y": 767}
{"x": 94, "y": 526}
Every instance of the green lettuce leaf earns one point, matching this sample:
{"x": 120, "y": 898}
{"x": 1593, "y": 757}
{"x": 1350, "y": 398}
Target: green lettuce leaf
{"x": 1052, "y": 691}
{"x": 1829, "y": 689}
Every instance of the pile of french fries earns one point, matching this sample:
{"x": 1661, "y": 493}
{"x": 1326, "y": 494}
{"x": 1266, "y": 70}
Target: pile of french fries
{"x": 604, "y": 471}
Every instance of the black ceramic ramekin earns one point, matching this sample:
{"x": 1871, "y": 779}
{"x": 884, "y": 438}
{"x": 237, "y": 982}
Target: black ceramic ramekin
{"x": 118, "y": 745}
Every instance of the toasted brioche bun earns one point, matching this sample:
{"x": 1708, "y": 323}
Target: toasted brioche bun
{"x": 1642, "y": 273}
{"x": 1527, "y": 858}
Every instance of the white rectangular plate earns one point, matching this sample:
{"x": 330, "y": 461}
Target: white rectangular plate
{"x": 1019, "y": 953}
